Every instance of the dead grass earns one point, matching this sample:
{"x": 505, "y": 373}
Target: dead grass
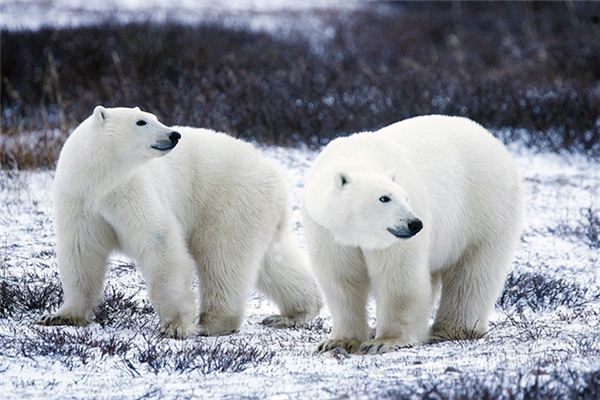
{"x": 517, "y": 65}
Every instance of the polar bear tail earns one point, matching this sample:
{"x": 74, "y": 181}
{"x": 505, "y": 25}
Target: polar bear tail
{"x": 286, "y": 280}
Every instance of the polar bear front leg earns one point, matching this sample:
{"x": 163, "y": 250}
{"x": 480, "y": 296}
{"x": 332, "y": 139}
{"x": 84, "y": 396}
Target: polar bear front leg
{"x": 152, "y": 236}
{"x": 342, "y": 275}
{"x": 346, "y": 299}
{"x": 167, "y": 269}
{"x": 83, "y": 246}
{"x": 403, "y": 290}
{"x": 469, "y": 290}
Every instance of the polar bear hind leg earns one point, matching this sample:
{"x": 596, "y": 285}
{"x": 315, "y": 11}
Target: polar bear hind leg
{"x": 285, "y": 279}
{"x": 225, "y": 276}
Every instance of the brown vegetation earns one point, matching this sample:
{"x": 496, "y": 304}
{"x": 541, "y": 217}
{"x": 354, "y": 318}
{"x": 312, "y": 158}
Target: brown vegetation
{"x": 534, "y": 66}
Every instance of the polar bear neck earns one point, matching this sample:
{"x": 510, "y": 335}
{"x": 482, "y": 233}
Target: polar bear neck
{"x": 87, "y": 170}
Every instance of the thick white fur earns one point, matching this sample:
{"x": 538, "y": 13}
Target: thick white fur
{"x": 460, "y": 182}
{"x": 213, "y": 204}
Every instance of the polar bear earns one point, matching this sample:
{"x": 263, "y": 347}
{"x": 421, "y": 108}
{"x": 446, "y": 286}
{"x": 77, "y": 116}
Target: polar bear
{"x": 427, "y": 204}
{"x": 175, "y": 200}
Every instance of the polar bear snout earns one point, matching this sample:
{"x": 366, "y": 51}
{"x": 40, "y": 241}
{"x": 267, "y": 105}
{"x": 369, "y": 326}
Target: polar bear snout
{"x": 408, "y": 230}
{"x": 167, "y": 144}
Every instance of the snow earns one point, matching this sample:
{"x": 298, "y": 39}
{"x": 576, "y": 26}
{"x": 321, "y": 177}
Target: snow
{"x": 523, "y": 349}
{"x": 273, "y": 15}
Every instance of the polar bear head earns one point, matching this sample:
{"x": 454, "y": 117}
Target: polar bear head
{"x": 131, "y": 134}
{"x": 366, "y": 210}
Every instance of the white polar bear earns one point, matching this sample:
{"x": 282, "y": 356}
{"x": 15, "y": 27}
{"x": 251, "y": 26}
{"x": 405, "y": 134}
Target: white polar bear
{"x": 444, "y": 180}
{"x": 211, "y": 203}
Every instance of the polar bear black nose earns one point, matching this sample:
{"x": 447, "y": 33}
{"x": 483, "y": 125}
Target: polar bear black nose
{"x": 174, "y": 137}
{"x": 414, "y": 226}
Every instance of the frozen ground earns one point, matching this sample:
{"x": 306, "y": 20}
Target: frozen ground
{"x": 544, "y": 341}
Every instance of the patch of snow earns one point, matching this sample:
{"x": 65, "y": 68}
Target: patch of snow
{"x": 519, "y": 348}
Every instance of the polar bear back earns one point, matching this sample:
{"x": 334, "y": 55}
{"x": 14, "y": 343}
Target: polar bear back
{"x": 211, "y": 177}
{"x": 472, "y": 184}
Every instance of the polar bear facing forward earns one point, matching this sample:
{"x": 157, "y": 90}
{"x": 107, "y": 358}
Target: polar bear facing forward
{"x": 176, "y": 201}
{"x": 428, "y": 203}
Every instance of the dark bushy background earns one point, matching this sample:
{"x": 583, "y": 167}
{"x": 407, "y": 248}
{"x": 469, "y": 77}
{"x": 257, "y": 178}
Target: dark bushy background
{"x": 506, "y": 65}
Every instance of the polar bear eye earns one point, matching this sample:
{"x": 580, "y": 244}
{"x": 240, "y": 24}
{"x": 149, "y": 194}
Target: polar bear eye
{"x": 141, "y": 122}
{"x": 385, "y": 199}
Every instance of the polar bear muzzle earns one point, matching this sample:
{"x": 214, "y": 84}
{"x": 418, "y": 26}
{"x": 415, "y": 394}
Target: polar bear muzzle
{"x": 164, "y": 145}
{"x": 409, "y": 230}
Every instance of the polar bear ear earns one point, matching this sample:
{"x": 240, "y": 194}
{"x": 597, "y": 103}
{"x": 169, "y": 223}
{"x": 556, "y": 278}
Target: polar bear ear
{"x": 341, "y": 179}
{"x": 137, "y": 109}
{"x": 392, "y": 175}
{"x": 100, "y": 113}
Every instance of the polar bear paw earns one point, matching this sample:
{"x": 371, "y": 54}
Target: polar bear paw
{"x": 380, "y": 346}
{"x": 178, "y": 329}
{"x": 441, "y": 333}
{"x": 61, "y": 319}
{"x": 350, "y": 345}
{"x": 282, "y": 321}
{"x": 206, "y": 330}
{"x": 218, "y": 325}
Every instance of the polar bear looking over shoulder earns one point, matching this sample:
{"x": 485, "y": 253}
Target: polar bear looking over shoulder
{"x": 175, "y": 200}
{"x": 428, "y": 204}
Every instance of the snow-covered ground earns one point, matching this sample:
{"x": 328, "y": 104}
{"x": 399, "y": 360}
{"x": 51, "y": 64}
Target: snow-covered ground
{"x": 544, "y": 338}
